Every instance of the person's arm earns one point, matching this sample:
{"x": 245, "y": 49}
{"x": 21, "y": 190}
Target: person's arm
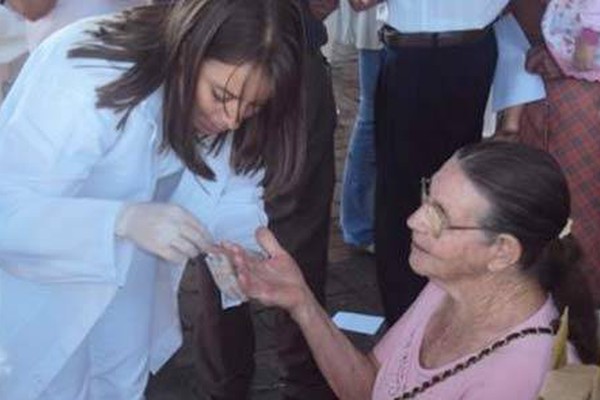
{"x": 513, "y": 86}
{"x": 322, "y": 8}
{"x": 277, "y": 281}
{"x": 52, "y": 139}
{"x": 32, "y": 10}
{"x": 509, "y": 120}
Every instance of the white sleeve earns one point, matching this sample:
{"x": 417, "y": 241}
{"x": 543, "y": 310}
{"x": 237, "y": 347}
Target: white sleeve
{"x": 230, "y": 207}
{"x": 241, "y": 211}
{"x": 513, "y": 85}
{"x": 51, "y": 137}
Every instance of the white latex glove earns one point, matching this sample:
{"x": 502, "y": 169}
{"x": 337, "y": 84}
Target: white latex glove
{"x": 166, "y": 230}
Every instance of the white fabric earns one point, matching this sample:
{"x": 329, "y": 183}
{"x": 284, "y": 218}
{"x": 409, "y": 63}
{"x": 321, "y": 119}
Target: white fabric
{"x": 12, "y": 36}
{"x": 442, "y": 15}
{"x": 513, "y": 85}
{"x": 64, "y": 175}
{"x": 68, "y": 11}
{"x": 360, "y": 28}
{"x": 105, "y": 368}
{"x": 231, "y": 206}
{"x": 13, "y": 48}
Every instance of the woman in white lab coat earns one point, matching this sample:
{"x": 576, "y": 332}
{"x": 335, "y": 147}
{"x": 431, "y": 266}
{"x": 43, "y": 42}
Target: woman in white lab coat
{"x": 93, "y": 137}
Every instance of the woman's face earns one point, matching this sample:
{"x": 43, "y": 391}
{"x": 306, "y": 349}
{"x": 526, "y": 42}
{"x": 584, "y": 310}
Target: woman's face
{"x": 227, "y": 94}
{"x": 447, "y": 240}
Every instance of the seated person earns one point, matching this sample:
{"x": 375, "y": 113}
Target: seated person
{"x": 491, "y": 235}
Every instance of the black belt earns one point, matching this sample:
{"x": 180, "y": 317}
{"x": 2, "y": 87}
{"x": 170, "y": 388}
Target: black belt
{"x": 391, "y": 37}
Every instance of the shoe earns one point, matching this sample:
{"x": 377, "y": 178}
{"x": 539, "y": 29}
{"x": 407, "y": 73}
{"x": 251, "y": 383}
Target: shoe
{"x": 370, "y": 248}
{"x": 366, "y": 248}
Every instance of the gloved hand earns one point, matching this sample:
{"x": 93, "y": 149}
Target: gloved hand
{"x": 166, "y": 230}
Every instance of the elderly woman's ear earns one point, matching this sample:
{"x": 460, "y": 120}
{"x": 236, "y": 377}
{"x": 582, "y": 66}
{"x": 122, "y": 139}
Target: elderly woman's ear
{"x": 505, "y": 252}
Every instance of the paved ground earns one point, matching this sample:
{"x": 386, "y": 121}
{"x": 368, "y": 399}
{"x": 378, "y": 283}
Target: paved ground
{"x": 351, "y": 280}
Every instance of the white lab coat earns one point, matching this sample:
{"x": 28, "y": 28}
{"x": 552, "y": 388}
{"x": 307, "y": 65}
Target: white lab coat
{"x": 230, "y": 206}
{"x": 65, "y": 173}
{"x": 69, "y": 11}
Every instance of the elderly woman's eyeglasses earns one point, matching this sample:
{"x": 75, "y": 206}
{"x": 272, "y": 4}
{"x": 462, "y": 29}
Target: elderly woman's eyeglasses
{"x": 436, "y": 217}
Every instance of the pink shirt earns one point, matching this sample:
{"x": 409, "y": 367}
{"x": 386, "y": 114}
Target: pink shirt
{"x": 515, "y": 371}
{"x": 563, "y": 23}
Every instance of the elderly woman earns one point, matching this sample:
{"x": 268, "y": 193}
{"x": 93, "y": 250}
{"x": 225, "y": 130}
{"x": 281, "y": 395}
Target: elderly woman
{"x": 490, "y": 236}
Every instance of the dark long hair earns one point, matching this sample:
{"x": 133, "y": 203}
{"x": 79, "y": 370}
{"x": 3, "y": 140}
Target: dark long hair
{"x": 530, "y": 200}
{"x": 168, "y": 44}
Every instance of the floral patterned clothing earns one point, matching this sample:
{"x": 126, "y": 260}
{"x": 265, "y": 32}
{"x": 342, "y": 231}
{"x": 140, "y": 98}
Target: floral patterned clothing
{"x": 562, "y": 25}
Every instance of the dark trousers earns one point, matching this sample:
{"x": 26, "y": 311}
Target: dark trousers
{"x": 300, "y": 220}
{"x": 430, "y": 101}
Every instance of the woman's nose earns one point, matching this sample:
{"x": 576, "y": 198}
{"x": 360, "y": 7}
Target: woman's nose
{"x": 417, "y": 221}
{"x": 234, "y": 114}
{"x": 232, "y": 118}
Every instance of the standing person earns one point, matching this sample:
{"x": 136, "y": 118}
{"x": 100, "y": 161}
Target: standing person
{"x": 47, "y": 16}
{"x": 438, "y": 63}
{"x": 357, "y": 204}
{"x": 301, "y": 219}
{"x": 43, "y": 17}
{"x": 87, "y": 156}
{"x": 564, "y": 37}
{"x": 225, "y": 339}
{"x": 13, "y": 48}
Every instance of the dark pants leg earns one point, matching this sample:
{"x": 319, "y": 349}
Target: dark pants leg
{"x": 429, "y": 102}
{"x": 300, "y": 222}
{"x": 224, "y": 345}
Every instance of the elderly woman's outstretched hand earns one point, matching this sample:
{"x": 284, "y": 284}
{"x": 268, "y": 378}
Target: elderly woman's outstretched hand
{"x": 275, "y": 280}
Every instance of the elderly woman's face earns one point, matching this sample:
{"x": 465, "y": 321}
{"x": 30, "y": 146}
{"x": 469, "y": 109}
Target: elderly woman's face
{"x": 227, "y": 94}
{"x": 447, "y": 239}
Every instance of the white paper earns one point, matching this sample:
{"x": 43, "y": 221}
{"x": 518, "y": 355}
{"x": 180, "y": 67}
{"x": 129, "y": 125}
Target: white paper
{"x": 356, "y": 322}
{"x": 513, "y": 85}
{"x": 228, "y": 302}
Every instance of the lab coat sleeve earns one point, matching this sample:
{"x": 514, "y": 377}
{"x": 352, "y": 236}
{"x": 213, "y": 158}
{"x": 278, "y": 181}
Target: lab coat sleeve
{"x": 50, "y": 139}
{"x": 513, "y": 85}
{"x": 241, "y": 211}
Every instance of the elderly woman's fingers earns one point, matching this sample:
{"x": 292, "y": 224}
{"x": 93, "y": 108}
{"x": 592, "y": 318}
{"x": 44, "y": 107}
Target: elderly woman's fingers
{"x": 249, "y": 284}
{"x": 269, "y": 243}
